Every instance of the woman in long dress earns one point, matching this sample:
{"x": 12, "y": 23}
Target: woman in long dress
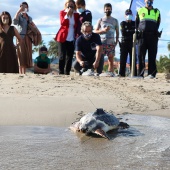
{"x": 8, "y": 57}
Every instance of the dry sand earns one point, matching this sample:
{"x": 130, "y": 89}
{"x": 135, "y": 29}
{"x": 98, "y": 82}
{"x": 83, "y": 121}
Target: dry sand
{"x": 35, "y": 111}
{"x": 54, "y": 100}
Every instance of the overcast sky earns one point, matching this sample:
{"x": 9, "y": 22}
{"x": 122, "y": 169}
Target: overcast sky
{"x": 45, "y": 14}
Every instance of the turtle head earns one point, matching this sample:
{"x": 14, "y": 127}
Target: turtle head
{"x": 75, "y": 127}
{"x": 88, "y": 126}
{"x": 84, "y": 130}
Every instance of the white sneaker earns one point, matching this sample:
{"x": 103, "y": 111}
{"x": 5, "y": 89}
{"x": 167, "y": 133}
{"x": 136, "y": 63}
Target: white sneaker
{"x": 110, "y": 74}
{"x": 107, "y": 74}
{"x": 89, "y": 72}
{"x": 149, "y": 77}
{"x": 96, "y": 74}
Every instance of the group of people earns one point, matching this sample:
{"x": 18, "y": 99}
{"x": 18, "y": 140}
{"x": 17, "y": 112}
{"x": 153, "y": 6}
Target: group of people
{"x": 16, "y": 58}
{"x": 76, "y": 34}
{"x": 91, "y": 45}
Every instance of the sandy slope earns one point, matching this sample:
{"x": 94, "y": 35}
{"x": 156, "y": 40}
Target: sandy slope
{"x": 57, "y": 100}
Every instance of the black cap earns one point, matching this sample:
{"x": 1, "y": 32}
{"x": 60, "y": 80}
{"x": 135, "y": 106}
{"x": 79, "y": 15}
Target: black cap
{"x": 43, "y": 48}
{"x": 128, "y": 12}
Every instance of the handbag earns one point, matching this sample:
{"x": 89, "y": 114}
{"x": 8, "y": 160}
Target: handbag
{"x": 34, "y": 34}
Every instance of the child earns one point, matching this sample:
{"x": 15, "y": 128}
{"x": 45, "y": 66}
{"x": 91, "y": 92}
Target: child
{"x": 42, "y": 62}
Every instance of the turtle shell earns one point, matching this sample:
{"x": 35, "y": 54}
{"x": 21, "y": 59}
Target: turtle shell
{"x": 105, "y": 117}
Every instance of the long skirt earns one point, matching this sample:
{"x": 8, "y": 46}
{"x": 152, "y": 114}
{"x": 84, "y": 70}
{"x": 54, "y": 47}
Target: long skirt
{"x": 24, "y": 52}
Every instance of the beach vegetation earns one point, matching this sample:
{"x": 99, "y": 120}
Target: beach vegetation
{"x": 168, "y": 46}
{"x": 53, "y": 49}
{"x": 36, "y": 48}
{"x": 163, "y": 64}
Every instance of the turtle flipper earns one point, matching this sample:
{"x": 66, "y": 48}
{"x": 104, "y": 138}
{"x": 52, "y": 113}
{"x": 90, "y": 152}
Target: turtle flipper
{"x": 101, "y": 133}
{"x": 123, "y": 125}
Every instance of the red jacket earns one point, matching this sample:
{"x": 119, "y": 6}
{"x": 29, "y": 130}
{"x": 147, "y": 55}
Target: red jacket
{"x": 63, "y": 31}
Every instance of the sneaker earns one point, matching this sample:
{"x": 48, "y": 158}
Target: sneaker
{"x": 149, "y": 77}
{"x": 107, "y": 74}
{"x": 118, "y": 75}
{"x": 82, "y": 71}
{"x": 89, "y": 72}
{"x": 110, "y": 74}
{"x": 96, "y": 74}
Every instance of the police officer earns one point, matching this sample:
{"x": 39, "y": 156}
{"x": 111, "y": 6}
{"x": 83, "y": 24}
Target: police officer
{"x": 127, "y": 29}
{"x": 147, "y": 22}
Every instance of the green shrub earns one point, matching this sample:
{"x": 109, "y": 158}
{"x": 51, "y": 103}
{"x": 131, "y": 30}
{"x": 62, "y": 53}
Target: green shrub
{"x": 163, "y": 64}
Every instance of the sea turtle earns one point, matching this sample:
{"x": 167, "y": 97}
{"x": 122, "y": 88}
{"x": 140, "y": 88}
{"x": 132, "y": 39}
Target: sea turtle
{"x": 98, "y": 122}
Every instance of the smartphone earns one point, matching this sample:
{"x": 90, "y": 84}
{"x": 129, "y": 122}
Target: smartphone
{"x": 22, "y": 7}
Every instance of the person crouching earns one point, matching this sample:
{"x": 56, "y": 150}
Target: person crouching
{"x": 42, "y": 62}
{"x": 88, "y": 49}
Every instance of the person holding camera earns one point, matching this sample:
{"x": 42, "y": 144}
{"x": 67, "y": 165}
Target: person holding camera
{"x": 22, "y": 19}
{"x": 88, "y": 49}
{"x": 66, "y": 36}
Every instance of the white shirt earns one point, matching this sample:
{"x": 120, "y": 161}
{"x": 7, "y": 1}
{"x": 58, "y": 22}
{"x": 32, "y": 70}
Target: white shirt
{"x": 70, "y": 36}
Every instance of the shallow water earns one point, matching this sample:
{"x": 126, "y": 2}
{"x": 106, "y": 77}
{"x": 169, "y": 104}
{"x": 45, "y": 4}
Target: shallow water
{"x": 144, "y": 146}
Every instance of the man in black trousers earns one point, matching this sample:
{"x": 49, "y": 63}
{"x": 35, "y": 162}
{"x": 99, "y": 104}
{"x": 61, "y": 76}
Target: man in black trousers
{"x": 147, "y": 23}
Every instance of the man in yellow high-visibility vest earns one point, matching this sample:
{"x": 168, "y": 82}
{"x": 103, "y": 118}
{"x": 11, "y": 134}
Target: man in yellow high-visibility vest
{"x": 147, "y": 24}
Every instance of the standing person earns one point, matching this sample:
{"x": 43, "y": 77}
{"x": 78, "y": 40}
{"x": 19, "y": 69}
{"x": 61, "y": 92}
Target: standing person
{"x": 147, "y": 23}
{"x": 106, "y": 27}
{"x": 85, "y": 15}
{"x": 42, "y": 62}
{"x": 127, "y": 29}
{"x": 8, "y": 57}
{"x": 66, "y": 36}
{"x": 22, "y": 19}
{"x": 88, "y": 49}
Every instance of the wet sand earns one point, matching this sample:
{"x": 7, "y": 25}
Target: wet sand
{"x": 36, "y": 111}
{"x": 144, "y": 146}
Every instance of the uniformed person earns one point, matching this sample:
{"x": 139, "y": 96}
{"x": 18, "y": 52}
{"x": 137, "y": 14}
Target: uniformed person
{"x": 147, "y": 22}
{"x": 127, "y": 29}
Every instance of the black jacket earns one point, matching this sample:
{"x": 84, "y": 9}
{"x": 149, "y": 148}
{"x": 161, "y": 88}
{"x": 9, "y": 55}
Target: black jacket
{"x": 127, "y": 30}
{"x": 84, "y": 16}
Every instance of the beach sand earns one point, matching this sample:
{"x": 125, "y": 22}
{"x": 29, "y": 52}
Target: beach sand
{"x": 54, "y": 100}
{"x": 36, "y": 111}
